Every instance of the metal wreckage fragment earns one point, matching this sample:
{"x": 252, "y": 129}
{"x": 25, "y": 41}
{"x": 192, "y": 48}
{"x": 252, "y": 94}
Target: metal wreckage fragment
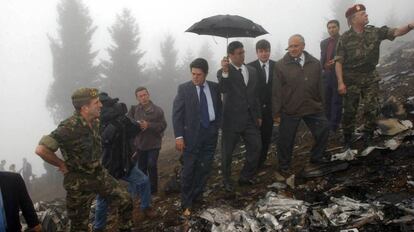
{"x": 276, "y": 212}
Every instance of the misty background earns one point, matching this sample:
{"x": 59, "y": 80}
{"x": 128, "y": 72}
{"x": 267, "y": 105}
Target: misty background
{"x": 49, "y": 48}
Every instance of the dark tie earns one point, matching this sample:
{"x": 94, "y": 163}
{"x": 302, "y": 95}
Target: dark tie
{"x": 264, "y": 72}
{"x": 298, "y": 60}
{"x": 205, "y": 118}
{"x": 241, "y": 73}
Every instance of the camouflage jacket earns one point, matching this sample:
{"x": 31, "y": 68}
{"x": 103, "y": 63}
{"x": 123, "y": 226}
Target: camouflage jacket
{"x": 359, "y": 52}
{"x": 80, "y": 145}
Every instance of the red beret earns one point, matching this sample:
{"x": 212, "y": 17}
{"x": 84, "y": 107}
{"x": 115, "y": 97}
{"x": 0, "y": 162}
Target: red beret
{"x": 355, "y": 8}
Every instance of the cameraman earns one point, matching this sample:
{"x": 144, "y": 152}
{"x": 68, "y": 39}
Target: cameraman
{"x": 117, "y": 132}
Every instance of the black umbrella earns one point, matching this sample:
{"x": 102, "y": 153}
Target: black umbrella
{"x": 227, "y": 26}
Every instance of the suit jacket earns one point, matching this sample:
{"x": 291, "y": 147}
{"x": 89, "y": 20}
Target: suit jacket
{"x": 324, "y": 47}
{"x": 15, "y": 197}
{"x": 241, "y": 104}
{"x": 297, "y": 90}
{"x": 186, "y": 112}
{"x": 264, "y": 89}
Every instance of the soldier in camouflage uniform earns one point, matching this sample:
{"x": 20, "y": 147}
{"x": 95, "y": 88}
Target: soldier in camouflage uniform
{"x": 79, "y": 140}
{"x": 357, "y": 55}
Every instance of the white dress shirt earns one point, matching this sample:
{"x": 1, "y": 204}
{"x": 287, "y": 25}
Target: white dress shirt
{"x": 211, "y": 113}
{"x": 244, "y": 72}
{"x": 266, "y": 69}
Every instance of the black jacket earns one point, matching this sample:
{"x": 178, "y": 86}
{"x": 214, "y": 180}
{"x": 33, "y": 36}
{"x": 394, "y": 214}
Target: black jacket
{"x": 241, "y": 104}
{"x": 117, "y": 133}
{"x": 16, "y": 198}
{"x": 264, "y": 89}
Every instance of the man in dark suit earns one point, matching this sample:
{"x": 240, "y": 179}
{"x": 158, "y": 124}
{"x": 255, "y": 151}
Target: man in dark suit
{"x": 333, "y": 101}
{"x": 241, "y": 113}
{"x": 13, "y": 198}
{"x": 196, "y": 120}
{"x": 264, "y": 67}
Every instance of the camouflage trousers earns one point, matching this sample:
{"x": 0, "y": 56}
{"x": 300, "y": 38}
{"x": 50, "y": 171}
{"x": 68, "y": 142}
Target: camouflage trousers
{"x": 361, "y": 96}
{"x": 82, "y": 190}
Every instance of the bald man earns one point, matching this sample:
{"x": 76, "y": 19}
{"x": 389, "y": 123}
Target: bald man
{"x": 297, "y": 95}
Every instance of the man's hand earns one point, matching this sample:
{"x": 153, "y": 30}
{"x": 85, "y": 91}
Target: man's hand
{"x": 276, "y": 120}
{"x": 225, "y": 64}
{"x": 143, "y": 124}
{"x": 63, "y": 169}
{"x": 37, "y": 228}
{"x": 179, "y": 145}
{"x": 259, "y": 122}
{"x": 341, "y": 88}
{"x": 329, "y": 64}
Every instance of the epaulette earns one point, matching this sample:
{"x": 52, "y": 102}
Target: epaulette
{"x": 369, "y": 27}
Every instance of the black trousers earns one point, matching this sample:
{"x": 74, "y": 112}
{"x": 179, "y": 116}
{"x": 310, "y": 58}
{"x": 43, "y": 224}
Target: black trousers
{"x": 251, "y": 137}
{"x": 317, "y": 124}
{"x": 197, "y": 165}
{"x": 266, "y": 133}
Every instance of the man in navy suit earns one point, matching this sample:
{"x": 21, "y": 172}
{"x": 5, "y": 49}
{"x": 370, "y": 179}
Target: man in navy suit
{"x": 196, "y": 120}
{"x": 265, "y": 68}
{"x": 333, "y": 101}
{"x": 241, "y": 114}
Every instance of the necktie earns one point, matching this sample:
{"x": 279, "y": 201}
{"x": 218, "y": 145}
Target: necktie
{"x": 205, "y": 118}
{"x": 244, "y": 78}
{"x": 264, "y": 72}
{"x": 3, "y": 221}
{"x": 298, "y": 61}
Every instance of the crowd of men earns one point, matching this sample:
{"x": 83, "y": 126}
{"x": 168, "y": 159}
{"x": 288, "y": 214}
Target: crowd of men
{"x": 103, "y": 142}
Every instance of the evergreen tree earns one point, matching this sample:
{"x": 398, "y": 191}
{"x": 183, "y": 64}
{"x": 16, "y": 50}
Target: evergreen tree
{"x": 164, "y": 88}
{"x": 123, "y": 71}
{"x": 339, "y": 8}
{"x": 73, "y": 60}
{"x": 184, "y": 69}
{"x": 207, "y": 53}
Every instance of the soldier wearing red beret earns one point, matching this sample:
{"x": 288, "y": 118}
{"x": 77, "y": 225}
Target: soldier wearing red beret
{"x": 357, "y": 55}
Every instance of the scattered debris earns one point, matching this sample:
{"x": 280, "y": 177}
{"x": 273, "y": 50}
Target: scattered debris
{"x": 277, "y": 185}
{"x": 349, "y": 154}
{"x": 393, "y": 126}
{"x": 346, "y": 211}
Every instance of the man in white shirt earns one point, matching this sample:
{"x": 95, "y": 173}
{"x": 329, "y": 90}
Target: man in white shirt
{"x": 241, "y": 114}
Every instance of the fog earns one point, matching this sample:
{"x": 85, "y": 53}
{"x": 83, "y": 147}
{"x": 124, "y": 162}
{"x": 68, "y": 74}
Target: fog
{"x": 26, "y": 62}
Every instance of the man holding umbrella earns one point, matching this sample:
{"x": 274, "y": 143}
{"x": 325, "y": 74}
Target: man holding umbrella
{"x": 241, "y": 114}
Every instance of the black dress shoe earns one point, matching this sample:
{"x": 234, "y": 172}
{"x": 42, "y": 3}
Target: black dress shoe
{"x": 322, "y": 160}
{"x": 264, "y": 166}
{"x": 228, "y": 187}
{"x": 284, "y": 171}
{"x": 243, "y": 182}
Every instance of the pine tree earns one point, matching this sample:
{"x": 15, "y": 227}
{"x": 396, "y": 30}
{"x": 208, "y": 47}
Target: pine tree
{"x": 208, "y": 54}
{"x": 339, "y": 8}
{"x": 164, "y": 87}
{"x": 123, "y": 72}
{"x": 73, "y": 60}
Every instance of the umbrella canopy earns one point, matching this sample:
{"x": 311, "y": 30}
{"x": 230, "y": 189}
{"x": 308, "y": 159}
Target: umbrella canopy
{"x": 227, "y": 26}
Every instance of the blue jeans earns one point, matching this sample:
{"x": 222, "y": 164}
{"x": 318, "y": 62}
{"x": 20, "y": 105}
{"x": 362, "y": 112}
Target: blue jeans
{"x": 138, "y": 183}
{"x": 147, "y": 162}
{"x": 333, "y": 101}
